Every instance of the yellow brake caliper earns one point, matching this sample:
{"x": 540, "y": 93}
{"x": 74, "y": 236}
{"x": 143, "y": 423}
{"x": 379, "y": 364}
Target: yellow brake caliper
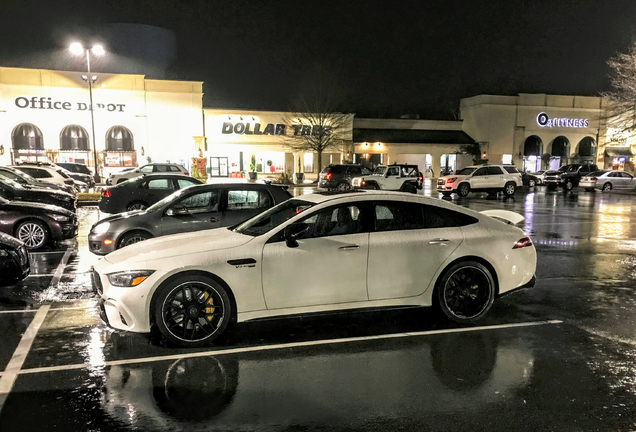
{"x": 473, "y": 294}
{"x": 209, "y": 310}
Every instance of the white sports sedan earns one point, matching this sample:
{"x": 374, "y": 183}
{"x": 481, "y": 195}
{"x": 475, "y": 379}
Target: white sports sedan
{"x": 316, "y": 253}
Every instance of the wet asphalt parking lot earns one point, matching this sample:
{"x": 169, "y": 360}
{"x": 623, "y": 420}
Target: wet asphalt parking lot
{"x": 560, "y": 356}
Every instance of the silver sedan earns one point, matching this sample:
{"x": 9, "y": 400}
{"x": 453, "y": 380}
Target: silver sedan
{"x": 608, "y": 180}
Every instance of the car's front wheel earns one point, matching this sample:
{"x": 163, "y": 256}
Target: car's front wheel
{"x": 34, "y": 234}
{"x": 466, "y": 291}
{"x": 510, "y": 188}
{"x": 568, "y": 185}
{"x": 132, "y": 238}
{"x": 463, "y": 190}
{"x": 137, "y": 205}
{"x": 607, "y": 187}
{"x": 532, "y": 183}
{"x": 192, "y": 310}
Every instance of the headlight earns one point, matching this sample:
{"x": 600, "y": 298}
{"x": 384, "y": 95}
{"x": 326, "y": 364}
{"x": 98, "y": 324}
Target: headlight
{"x": 101, "y": 228}
{"x": 59, "y": 218}
{"x": 129, "y": 278}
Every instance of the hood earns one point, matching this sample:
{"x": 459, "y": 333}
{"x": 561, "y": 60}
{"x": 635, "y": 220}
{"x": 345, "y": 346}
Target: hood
{"x": 59, "y": 194}
{"x": 39, "y": 206}
{"x": 552, "y": 172}
{"x": 179, "y": 244}
{"x": 7, "y": 240}
{"x": 119, "y": 216}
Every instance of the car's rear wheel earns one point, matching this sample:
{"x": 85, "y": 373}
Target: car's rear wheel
{"x": 410, "y": 188}
{"x": 510, "y": 188}
{"x": 192, "y": 310}
{"x": 463, "y": 189}
{"x": 137, "y": 205}
{"x": 568, "y": 185}
{"x": 343, "y": 187}
{"x": 466, "y": 291}
{"x": 607, "y": 187}
{"x": 132, "y": 238}
{"x": 532, "y": 183}
{"x": 34, "y": 234}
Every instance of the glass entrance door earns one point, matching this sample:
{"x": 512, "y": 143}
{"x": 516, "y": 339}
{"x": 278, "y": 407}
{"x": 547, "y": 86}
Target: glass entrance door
{"x": 218, "y": 167}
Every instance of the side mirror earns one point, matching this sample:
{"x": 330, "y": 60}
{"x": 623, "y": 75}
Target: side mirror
{"x": 177, "y": 211}
{"x": 293, "y": 232}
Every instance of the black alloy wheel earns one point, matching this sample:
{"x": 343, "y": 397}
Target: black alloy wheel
{"x": 531, "y": 183}
{"x": 466, "y": 292}
{"x": 510, "y": 188}
{"x": 568, "y": 185}
{"x": 607, "y": 187}
{"x": 132, "y": 238}
{"x": 343, "y": 187}
{"x": 463, "y": 190}
{"x": 34, "y": 234}
{"x": 137, "y": 205}
{"x": 192, "y": 311}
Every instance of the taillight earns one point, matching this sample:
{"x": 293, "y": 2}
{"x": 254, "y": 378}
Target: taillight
{"x": 593, "y": 179}
{"x": 186, "y": 173}
{"x": 363, "y": 183}
{"x": 328, "y": 176}
{"x": 106, "y": 193}
{"x": 420, "y": 178}
{"x": 524, "y": 242}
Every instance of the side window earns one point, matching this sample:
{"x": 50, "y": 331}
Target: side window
{"x": 334, "y": 221}
{"x": 394, "y": 171}
{"x": 626, "y": 175}
{"x": 481, "y": 172}
{"x": 9, "y": 175}
{"x": 391, "y": 216}
{"x": 248, "y": 199}
{"x": 184, "y": 183}
{"x": 161, "y": 168}
{"x": 203, "y": 202}
{"x": 494, "y": 170}
{"x": 160, "y": 184}
{"x": 511, "y": 169}
{"x": 147, "y": 169}
{"x": 437, "y": 217}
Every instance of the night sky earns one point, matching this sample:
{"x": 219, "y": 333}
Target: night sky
{"x": 391, "y": 57}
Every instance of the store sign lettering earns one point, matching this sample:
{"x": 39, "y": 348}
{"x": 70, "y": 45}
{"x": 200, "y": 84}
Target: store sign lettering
{"x": 47, "y": 103}
{"x": 252, "y": 129}
{"x": 544, "y": 121}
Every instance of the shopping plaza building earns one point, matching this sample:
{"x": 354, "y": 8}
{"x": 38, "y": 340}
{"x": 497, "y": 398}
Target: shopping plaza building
{"x": 46, "y": 115}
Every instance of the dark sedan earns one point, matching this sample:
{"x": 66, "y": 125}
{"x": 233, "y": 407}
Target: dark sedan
{"x": 192, "y": 209}
{"x": 141, "y": 192}
{"x": 13, "y": 191}
{"x": 530, "y": 180}
{"x": 14, "y": 260}
{"x": 36, "y": 224}
{"x": 27, "y": 181}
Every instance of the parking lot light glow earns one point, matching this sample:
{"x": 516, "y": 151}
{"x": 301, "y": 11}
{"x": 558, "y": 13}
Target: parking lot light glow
{"x": 76, "y": 48}
{"x": 98, "y": 50}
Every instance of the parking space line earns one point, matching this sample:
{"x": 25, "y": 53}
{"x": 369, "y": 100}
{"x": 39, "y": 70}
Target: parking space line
{"x": 19, "y": 355}
{"x": 59, "y": 271}
{"x": 286, "y": 346}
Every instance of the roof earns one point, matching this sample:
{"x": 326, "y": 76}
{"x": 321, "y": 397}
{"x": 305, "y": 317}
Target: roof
{"x": 416, "y": 136}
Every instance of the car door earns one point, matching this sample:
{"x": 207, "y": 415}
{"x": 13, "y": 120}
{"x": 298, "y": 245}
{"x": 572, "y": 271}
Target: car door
{"x": 628, "y": 181}
{"x": 408, "y": 245}
{"x": 480, "y": 179}
{"x": 329, "y": 265}
{"x": 196, "y": 211}
{"x": 393, "y": 180}
{"x": 243, "y": 203}
{"x": 495, "y": 177}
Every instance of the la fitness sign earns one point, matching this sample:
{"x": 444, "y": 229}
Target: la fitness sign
{"x": 47, "y": 103}
{"x": 544, "y": 121}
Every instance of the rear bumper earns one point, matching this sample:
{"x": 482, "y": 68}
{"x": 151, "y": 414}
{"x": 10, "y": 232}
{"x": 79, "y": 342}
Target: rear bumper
{"x": 530, "y": 284}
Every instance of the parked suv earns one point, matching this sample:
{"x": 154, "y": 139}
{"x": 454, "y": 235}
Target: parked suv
{"x": 152, "y": 168}
{"x": 48, "y": 173}
{"x": 568, "y": 176}
{"x": 481, "y": 178}
{"x": 339, "y": 176}
{"x": 397, "y": 177}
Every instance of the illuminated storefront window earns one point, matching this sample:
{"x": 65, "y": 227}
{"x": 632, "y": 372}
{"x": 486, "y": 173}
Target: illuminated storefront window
{"x": 27, "y": 143}
{"x": 74, "y": 145}
{"x": 532, "y": 149}
{"x": 120, "y": 148}
{"x": 308, "y": 162}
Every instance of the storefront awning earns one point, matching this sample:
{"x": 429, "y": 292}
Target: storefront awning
{"x": 618, "y": 151}
{"x": 412, "y": 136}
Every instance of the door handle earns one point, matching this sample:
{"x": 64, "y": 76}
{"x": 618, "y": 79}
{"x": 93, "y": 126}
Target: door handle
{"x": 438, "y": 241}
{"x": 348, "y": 247}
{"x": 214, "y": 219}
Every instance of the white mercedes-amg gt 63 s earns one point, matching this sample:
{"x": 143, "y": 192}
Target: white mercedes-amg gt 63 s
{"x": 316, "y": 253}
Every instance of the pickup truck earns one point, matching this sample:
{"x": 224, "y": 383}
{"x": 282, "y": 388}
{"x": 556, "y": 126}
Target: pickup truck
{"x": 568, "y": 176}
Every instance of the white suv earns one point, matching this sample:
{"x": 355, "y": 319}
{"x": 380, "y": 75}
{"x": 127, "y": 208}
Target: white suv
{"x": 152, "y": 168}
{"x": 481, "y": 178}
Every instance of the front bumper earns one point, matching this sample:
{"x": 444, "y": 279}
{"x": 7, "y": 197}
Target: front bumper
{"x": 324, "y": 184}
{"x": 98, "y": 247}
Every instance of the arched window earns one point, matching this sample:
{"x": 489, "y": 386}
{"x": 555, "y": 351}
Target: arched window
{"x": 74, "y": 137}
{"x": 587, "y": 147}
{"x": 27, "y": 136}
{"x": 561, "y": 147}
{"x": 119, "y": 138}
{"x": 533, "y": 146}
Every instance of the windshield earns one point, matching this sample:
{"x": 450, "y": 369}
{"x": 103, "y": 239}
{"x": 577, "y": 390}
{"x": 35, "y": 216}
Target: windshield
{"x": 380, "y": 170}
{"x": 12, "y": 183}
{"x": 465, "y": 171}
{"x": 273, "y": 217}
{"x": 3, "y": 200}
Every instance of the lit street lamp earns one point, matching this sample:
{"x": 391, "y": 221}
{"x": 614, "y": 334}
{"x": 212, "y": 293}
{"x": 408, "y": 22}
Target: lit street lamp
{"x": 77, "y": 49}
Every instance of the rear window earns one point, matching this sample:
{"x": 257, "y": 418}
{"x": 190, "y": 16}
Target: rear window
{"x": 511, "y": 170}
{"x": 334, "y": 169}
{"x": 596, "y": 174}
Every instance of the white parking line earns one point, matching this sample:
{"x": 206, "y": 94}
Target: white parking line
{"x": 287, "y": 346}
{"x": 60, "y": 268}
{"x": 17, "y": 360}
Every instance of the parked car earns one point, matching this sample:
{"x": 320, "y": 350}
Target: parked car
{"x": 530, "y": 179}
{"x": 16, "y": 192}
{"x": 142, "y": 192}
{"x": 194, "y": 208}
{"x": 14, "y": 260}
{"x": 27, "y": 181}
{"x": 340, "y": 176}
{"x": 151, "y": 168}
{"x": 396, "y": 177}
{"x": 608, "y": 180}
{"x": 78, "y": 172}
{"x": 47, "y": 173}
{"x": 540, "y": 175}
{"x": 317, "y": 253}
{"x": 568, "y": 176}
{"x": 36, "y": 224}
{"x": 481, "y": 178}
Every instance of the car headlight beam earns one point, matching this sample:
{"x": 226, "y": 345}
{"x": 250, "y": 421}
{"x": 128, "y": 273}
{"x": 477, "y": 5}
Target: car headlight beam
{"x": 59, "y": 218}
{"x": 130, "y": 278}
{"x": 101, "y": 228}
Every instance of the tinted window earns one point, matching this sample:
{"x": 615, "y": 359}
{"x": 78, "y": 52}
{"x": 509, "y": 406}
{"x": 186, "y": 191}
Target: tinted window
{"x": 248, "y": 199}
{"x": 334, "y": 221}
{"x": 355, "y": 170}
{"x": 438, "y": 217}
{"x": 62, "y": 173}
{"x": 391, "y": 216}
{"x": 495, "y": 171}
{"x": 626, "y": 175}
{"x": 394, "y": 171}
{"x": 146, "y": 169}
{"x": 465, "y": 171}
{"x": 159, "y": 184}
{"x": 597, "y": 173}
{"x": 273, "y": 217}
{"x": 36, "y": 173}
{"x": 513, "y": 170}
{"x": 161, "y": 168}
{"x": 481, "y": 172}
{"x": 184, "y": 183}
{"x": 203, "y": 202}
{"x": 174, "y": 168}
{"x": 9, "y": 174}
{"x": 335, "y": 169}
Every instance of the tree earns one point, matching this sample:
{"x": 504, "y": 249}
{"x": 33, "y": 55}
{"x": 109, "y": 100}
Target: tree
{"x": 315, "y": 122}
{"x": 621, "y": 100}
